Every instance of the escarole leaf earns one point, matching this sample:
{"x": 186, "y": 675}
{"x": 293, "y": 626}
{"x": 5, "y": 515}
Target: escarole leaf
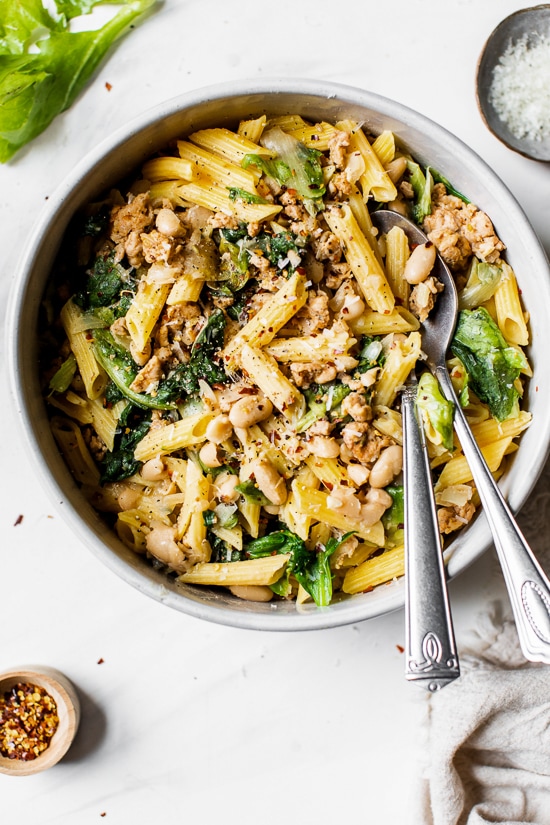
{"x": 422, "y": 185}
{"x": 435, "y": 411}
{"x": 44, "y": 65}
{"x": 491, "y": 363}
{"x": 295, "y": 165}
{"x": 121, "y": 369}
{"x": 311, "y": 569}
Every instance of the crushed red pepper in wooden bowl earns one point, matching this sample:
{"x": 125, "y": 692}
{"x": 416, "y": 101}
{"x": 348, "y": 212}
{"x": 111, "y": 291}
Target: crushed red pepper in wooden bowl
{"x": 28, "y": 720}
{"x": 39, "y": 717}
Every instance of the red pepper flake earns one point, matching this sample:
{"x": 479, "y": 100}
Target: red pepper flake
{"x": 18, "y": 520}
{"x": 28, "y": 720}
{"x": 100, "y": 661}
{"x": 400, "y": 648}
{"x": 108, "y": 87}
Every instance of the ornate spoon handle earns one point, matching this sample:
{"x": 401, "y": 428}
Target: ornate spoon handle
{"x": 431, "y": 657}
{"x": 528, "y": 586}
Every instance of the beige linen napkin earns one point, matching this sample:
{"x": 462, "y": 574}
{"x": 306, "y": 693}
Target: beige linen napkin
{"x": 489, "y": 732}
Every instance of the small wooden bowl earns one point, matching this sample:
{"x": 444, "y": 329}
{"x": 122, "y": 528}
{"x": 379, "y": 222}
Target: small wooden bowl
{"x": 68, "y": 710}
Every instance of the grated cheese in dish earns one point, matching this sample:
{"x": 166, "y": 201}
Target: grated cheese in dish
{"x": 520, "y": 89}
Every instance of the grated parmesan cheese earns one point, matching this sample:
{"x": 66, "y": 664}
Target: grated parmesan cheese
{"x": 520, "y": 88}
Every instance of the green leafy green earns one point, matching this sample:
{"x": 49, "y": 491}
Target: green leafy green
{"x": 394, "y": 517}
{"x": 61, "y": 381}
{"x": 435, "y": 411}
{"x": 277, "y": 246}
{"x": 234, "y": 263}
{"x": 311, "y": 569}
{"x": 422, "y": 185}
{"x": 322, "y": 400}
{"x": 371, "y": 353}
{"x": 184, "y": 379}
{"x": 222, "y": 550}
{"x": 492, "y": 365}
{"x": 438, "y": 178}
{"x": 251, "y": 492}
{"x": 295, "y": 166}
{"x": 36, "y": 85}
{"x": 121, "y": 463}
{"x": 109, "y": 285}
{"x": 481, "y": 285}
{"x": 121, "y": 369}
{"x": 97, "y": 223}
{"x": 241, "y": 194}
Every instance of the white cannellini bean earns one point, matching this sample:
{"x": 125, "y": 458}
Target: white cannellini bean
{"x": 387, "y": 467}
{"x": 347, "y": 503}
{"x": 269, "y": 481}
{"x": 376, "y": 504}
{"x": 353, "y": 308}
{"x": 252, "y": 592}
{"x": 250, "y": 410}
{"x": 358, "y": 474}
{"x": 225, "y": 486}
{"x": 420, "y": 263}
{"x": 153, "y": 470}
{"x": 128, "y": 497}
{"x": 219, "y": 429}
{"x": 161, "y": 544}
{"x": 208, "y": 454}
{"x": 323, "y": 447}
{"x": 168, "y": 223}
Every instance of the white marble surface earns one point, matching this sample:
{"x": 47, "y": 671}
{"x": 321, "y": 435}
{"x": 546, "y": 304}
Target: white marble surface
{"x": 191, "y": 722}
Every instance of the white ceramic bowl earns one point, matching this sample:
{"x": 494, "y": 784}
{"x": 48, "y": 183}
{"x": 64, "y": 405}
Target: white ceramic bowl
{"x": 226, "y": 104}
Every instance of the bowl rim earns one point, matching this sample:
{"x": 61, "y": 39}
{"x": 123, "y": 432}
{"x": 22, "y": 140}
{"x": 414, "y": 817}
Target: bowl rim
{"x": 390, "y": 597}
{"x": 65, "y": 695}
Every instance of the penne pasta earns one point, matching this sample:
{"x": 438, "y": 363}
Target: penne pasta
{"x": 374, "y": 180}
{"x": 368, "y": 271}
{"x": 81, "y": 344}
{"x": 251, "y": 572}
{"x": 254, "y": 332}
{"x": 176, "y": 436}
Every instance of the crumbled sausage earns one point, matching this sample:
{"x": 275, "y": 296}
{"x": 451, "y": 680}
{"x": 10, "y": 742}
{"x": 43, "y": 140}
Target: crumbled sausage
{"x": 327, "y": 247}
{"x": 148, "y": 377}
{"x": 422, "y": 297}
{"x": 337, "y": 146}
{"x": 459, "y": 229}
{"x": 364, "y": 442}
{"x": 453, "y": 518}
{"x": 134, "y": 216}
{"x": 355, "y": 404}
{"x": 308, "y": 373}
{"x": 314, "y": 316}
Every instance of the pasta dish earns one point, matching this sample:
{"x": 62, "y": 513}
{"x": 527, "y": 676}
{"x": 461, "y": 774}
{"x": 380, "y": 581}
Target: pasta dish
{"x": 226, "y": 343}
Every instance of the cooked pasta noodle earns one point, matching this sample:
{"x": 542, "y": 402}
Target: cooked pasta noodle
{"x": 230, "y": 362}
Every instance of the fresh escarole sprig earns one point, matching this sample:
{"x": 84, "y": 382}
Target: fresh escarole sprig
{"x": 294, "y": 166}
{"x": 37, "y": 86}
{"x": 491, "y": 363}
{"x": 310, "y": 568}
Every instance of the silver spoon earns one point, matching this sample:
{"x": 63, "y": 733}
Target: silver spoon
{"x": 527, "y": 584}
{"x": 431, "y": 658}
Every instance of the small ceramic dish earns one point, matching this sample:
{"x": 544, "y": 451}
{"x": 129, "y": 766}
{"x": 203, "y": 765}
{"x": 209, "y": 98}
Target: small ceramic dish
{"x": 518, "y": 41}
{"x": 63, "y": 692}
